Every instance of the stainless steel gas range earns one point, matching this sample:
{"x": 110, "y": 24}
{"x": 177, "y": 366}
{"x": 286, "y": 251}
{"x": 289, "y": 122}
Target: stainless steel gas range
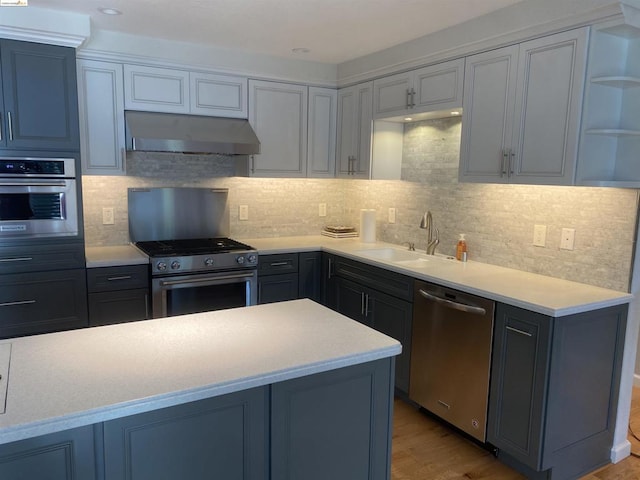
{"x": 194, "y": 266}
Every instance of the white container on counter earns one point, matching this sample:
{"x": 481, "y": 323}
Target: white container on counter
{"x": 368, "y": 225}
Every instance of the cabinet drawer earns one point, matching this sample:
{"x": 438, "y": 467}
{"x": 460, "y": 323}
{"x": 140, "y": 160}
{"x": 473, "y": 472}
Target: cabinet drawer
{"x": 106, "y": 308}
{"x": 108, "y": 279}
{"x": 38, "y": 258}
{"x": 279, "y": 263}
{"x": 277, "y": 288}
{"x": 392, "y": 283}
{"x": 42, "y": 302}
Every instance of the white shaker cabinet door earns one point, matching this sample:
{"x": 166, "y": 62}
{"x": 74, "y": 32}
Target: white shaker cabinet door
{"x": 101, "y": 105}
{"x": 438, "y": 87}
{"x": 155, "y": 89}
{"x": 218, "y": 95}
{"x": 487, "y": 119}
{"x": 278, "y": 114}
{"x": 392, "y": 95}
{"x": 549, "y": 107}
{"x": 321, "y": 150}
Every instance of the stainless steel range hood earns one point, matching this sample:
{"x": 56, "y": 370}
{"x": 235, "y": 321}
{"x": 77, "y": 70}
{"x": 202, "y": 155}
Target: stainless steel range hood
{"x": 168, "y": 132}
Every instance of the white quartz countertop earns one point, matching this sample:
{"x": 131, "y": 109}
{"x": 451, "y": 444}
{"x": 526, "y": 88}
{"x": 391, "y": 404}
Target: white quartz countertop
{"x": 114, "y": 256}
{"x": 546, "y": 295}
{"x": 69, "y": 379}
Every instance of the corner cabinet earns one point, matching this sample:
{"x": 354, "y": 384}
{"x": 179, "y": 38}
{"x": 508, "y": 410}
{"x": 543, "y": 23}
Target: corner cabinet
{"x": 101, "y": 104}
{"x": 289, "y": 276}
{"x": 433, "y": 88}
{"x": 278, "y": 114}
{"x": 376, "y": 297}
{"x": 355, "y": 125}
{"x": 39, "y": 103}
{"x": 522, "y": 110}
{"x": 610, "y": 139}
{"x": 554, "y": 389}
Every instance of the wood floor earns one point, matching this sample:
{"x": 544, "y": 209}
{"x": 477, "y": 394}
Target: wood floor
{"x": 424, "y": 449}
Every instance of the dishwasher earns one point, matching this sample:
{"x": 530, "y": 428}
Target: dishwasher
{"x": 451, "y": 356}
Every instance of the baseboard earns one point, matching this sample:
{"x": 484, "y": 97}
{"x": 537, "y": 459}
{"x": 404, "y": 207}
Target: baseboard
{"x": 620, "y": 451}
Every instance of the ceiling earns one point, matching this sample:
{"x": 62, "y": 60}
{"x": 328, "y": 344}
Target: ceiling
{"x": 333, "y": 31}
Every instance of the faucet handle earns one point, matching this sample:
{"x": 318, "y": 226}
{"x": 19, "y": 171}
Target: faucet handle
{"x": 412, "y": 246}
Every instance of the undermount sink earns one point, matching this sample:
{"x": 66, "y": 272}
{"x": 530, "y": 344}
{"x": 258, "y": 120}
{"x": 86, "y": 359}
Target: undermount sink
{"x": 404, "y": 258}
{"x": 392, "y": 255}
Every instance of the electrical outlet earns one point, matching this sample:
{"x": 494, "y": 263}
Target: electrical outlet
{"x": 322, "y": 209}
{"x": 568, "y": 238}
{"x": 107, "y": 216}
{"x": 244, "y": 212}
{"x": 539, "y": 235}
{"x": 392, "y": 215}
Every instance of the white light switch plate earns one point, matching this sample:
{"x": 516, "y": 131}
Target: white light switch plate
{"x": 322, "y": 210}
{"x": 243, "y": 214}
{"x": 539, "y": 235}
{"x": 392, "y": 215}
{"x": 107, "y": 216}
{"x": 567, "y": 238}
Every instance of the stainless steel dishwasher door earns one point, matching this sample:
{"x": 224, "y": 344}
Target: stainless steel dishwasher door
{"x": 451, "y": 356}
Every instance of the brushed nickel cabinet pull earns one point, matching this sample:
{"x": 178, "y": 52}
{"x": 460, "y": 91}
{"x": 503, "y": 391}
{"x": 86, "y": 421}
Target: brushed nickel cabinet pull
{"x": 10, "y": 126}
{"x": 19, "y": 302}
{"x": 278, "y": 264}
{"x": 17, "y": 259}
{"x": 519, "y": 332}
{"x": 123, "y": 277}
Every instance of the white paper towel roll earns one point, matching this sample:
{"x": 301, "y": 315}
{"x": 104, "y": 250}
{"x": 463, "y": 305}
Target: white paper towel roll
{"x": 368, "y": 225}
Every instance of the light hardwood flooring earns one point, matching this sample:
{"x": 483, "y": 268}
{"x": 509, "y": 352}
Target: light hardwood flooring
{"x": 424, "y": 449}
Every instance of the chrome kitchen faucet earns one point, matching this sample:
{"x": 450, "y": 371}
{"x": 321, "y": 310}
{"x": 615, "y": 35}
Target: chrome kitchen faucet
{"x": 433, "y": 236}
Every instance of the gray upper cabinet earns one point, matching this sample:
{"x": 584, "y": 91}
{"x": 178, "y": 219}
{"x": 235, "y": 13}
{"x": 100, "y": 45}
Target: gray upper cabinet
{"x": 353, "y": 150}
{"x": 278, "y": 114}
{"x": 101, "y": 103}
{"x": 433, "y": 88}
{"x": 218, "y": 95}
{"x": 522, "y": 109}
{"x": 321, "y": 148}
{"x": 39, "y": 104}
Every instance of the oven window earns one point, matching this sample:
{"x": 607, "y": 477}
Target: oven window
{"x": 31, "y": 206}
{"x": 181, "y": 301}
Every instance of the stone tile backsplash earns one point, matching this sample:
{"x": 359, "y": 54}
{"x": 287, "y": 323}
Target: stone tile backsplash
{"x": 498, "y": 220}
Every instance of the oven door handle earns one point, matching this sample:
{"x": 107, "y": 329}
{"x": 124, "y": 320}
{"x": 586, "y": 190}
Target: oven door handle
{"x": 209, "y": 279}
{"x": 20, "y": 182}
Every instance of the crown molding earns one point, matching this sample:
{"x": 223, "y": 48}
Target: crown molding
{"x": 42, "y": 36}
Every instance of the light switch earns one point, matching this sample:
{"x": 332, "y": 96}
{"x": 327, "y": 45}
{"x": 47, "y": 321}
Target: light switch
{"x": 107, "y": 216}
{"x": 322, "y": 209}
{"x": 244, "y": 212}
{"x": 539, "y": 235}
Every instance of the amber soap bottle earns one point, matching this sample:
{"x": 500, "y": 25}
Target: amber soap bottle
{"x": 461, "y": 247}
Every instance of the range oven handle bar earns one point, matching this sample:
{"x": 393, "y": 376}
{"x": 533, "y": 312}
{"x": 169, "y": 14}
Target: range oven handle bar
{"x": 20, "y": 182}
{"x": 463, "y": 307}
{"x": 211, "y": 278}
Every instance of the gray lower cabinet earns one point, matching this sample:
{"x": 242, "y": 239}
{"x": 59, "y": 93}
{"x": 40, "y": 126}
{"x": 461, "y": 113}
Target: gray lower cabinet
{"x": 42, "y": 302}
{"x": 380, "y": 299}
{"x": 59, "y": 456}
{"x": 289, "y": 276}
{"x": 331, "y": 425}
{"x": 334, "y": 425}
{"x": 554, "y": 390}
{"x": 118, "y": 294}
{"x": 217, "y": 438}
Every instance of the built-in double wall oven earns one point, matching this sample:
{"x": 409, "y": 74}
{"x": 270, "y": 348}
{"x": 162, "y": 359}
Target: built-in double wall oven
{"x": 38, "y": 197}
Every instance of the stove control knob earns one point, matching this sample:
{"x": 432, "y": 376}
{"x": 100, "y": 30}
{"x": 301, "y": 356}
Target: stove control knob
{"x": 252, "y": 258}
{"x": 175, "y": 265}
{"x": 240, "y": 260}
{"x": 161, "y": 266}
{"x": 208, "y": 262}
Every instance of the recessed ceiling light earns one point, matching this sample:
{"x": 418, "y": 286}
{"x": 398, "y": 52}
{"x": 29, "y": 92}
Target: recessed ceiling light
{"x": 109, "y": 11}
{"x": 300, "y": 50}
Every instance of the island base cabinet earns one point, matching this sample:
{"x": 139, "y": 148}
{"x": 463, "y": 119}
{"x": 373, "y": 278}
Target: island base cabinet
{"x": 334, "y": 425}
{"x": 217, "y": 438}
{"x": 58, "y": 456}
{"x": 554, "y": 390}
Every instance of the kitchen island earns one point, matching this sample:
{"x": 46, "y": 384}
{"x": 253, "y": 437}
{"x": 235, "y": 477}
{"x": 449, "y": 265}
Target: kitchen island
{"x": 269, "y": 390}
